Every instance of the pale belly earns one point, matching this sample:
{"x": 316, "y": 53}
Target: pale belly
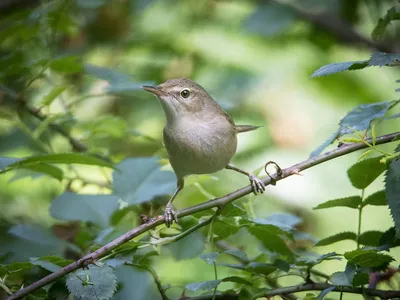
{"x": 202, "y": 149}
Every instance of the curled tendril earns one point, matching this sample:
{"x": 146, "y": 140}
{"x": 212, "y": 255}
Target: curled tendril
{"x": 277, "y": 168}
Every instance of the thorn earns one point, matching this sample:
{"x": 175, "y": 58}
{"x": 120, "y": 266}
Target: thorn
{"x": 296, "y": 172}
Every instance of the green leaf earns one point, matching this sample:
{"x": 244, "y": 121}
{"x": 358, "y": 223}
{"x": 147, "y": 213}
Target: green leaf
{"x": 392, "y": 187}
{"x": 340, "y": 279}
{"x": 61, "y": 158}
{"x": 205, "y": 285}
{"x": 236, "y": 279}
{"x": 380, "y": 28}
{"x": 367, "y": 258}
{"x": 50, "y": 263}
{"x": 224, "y": 227}
{"x": 358, "y": 119}
{"x": 340, "y": 67}
{"x": 284, "y": 221}
{"x": 141, "y": 179}
{"x": 337, "y": 238}
{"x": 189, "y": 247}
{"x": 377, "y": 199}
{"x": 364, "y": 172}
{"x": 360, "y": 278}
{"x": 53, "y": 94}
{"x": 371, "y": 238}
{"x": 87, "y": 208}
{"x": 210, "y": 258}
{"x": 237, "y": 253}
{"x": 352, "y": 202}
{"x": 14, "y": 268}
{"x": 67, "y": 64}
{"x": 96, "y": 282}
{"x": 271, "y": 240}
{"x": 315, "y": 259}
{"x": 261, "y": 268}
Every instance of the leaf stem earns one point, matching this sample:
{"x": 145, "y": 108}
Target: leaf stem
{"x": 360, "y": 207}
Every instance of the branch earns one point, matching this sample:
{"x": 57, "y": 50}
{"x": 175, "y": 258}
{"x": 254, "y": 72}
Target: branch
{"x": 306, "y": 287}
{"x": 218, "y": 202}
{"x": 338, "y": 28}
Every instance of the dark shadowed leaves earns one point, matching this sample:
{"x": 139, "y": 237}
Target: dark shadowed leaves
{"x": 141, "y": 179}
{"x": 271, "y": 240}
{"x": 351, "y": 202}
{"x": 392, "y": 181}
{"x": 87, "y": 208}
{"x": 96, "y": 282}
{"x": 363, "y": 173}
{"x": 380, "y": 28}
{"x": 337, "y": 238}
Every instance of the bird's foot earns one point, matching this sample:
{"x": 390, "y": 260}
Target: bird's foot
{"x": 170, "y": 215}
{"x": 257, "y": 184}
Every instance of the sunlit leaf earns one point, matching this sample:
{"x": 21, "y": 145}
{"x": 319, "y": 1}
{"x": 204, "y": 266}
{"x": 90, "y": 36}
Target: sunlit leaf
{"x": 337, "y": 238}
{"x": 367, "y": 258}
{"x": 210, "y": 258}
{"x": 351, "y": 202}
{"x": 377, "y": 199}
{"x": 53, "y": 94}
{"x": 67, "y": 64}
{"x": 340, "y": 279}
{"x": 364, "y": 172}
{"x": 205, "y": 285}
{"x": 340, "y": 67}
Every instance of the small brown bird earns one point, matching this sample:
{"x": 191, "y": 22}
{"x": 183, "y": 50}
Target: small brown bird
{"x": 199, "y": 135}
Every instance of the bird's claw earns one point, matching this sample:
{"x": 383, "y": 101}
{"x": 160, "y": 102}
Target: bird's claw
{"x": 170, "y": 215}
{"x": 257, "y": 184}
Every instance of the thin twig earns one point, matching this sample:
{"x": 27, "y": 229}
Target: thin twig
{"x": 218, "y": 202}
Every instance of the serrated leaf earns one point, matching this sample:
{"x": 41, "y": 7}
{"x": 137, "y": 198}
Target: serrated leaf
{"x": 61, "y": 158}
{"x": 271, "y": 240}
{"x": 224, "y": 227}
{"x": 380, "y": 59}
{"x": 380, "y": 27}
{"x": 315, "y": 259}
{"x": 340, "y": 279}
{"x": 87, "y": 208}
{"x": 96, "y": 282}
{"x": 49, "y": 266}
{"x": 392, "y": 187}
{"x": 210, "y": 258}
{"x": 14, "y": 268}
{"x": 360, "y": 278}
{"x": 364, "y": 172}
{"x": 351, "y": 202}
{"x": 67, "y": 64}
{"x": 337, "y": 238}
{"x": 136, "y": 179}
{"x": 53, "y": 94}
{"x": 376, "y": 199}
{"x": 371, "y": 238}
{"x": 205, "y": 285}
{"x": 340, "y": 67}
{"x": 367, "y": 258}
{"x": 261, "y": 268}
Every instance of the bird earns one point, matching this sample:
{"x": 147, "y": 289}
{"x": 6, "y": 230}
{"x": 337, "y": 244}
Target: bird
{"x": 200, "y": 137}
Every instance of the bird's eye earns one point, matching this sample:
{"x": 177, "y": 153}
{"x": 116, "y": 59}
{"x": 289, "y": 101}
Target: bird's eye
{"x": 185, "y": 93}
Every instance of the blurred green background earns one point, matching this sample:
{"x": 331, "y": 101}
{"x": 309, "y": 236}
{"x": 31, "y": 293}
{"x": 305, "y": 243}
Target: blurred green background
{"x": 254, "y": 57}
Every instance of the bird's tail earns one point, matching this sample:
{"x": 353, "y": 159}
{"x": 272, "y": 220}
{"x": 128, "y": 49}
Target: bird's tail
{"x": 245, "y": 128}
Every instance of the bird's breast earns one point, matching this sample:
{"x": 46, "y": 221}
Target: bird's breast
{"x": 199, "y": 147}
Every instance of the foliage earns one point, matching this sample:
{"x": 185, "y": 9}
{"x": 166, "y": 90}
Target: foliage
{"x": 68, "y": 109}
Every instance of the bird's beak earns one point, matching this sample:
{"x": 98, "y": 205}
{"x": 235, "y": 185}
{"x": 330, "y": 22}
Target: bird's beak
{"x": 154, "y": 90}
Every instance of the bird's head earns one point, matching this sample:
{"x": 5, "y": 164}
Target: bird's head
{"x": 181, "y": 97}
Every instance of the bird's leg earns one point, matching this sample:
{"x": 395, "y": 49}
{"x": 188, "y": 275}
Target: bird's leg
{"x": 256, "y": 183}
{"x": 170, "y": 214}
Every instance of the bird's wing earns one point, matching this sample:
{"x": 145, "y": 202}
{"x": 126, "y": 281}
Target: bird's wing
{"x": 245, "y": 128}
